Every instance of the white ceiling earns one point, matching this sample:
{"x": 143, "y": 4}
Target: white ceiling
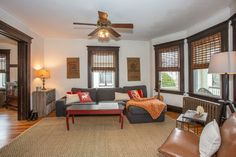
{"x": 151, "y": 18}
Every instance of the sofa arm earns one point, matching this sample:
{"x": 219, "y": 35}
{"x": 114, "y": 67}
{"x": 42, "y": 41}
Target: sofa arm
{"x": 61, "y": 107}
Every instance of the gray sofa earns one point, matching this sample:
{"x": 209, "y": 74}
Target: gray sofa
{"x": 133, "y": 113}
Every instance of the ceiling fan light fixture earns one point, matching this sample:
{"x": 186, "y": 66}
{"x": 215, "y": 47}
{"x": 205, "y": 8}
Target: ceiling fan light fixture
{"x": 103, "y": 33}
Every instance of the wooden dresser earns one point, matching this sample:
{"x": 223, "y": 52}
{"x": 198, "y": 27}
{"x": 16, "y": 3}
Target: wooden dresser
{"x": 44, "y": 101}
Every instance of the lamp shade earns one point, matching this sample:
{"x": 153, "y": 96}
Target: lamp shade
{"x": 223, "y": 63}
{"x": 42, "y": 73}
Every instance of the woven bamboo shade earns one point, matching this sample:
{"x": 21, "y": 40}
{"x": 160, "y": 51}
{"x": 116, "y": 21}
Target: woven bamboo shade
{"x": 203, "y": 49}
{"x": 103, "y": 61}
{"x": 169, "y": 59}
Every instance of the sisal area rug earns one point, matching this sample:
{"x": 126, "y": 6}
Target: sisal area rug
{"x": 90, "y": 136}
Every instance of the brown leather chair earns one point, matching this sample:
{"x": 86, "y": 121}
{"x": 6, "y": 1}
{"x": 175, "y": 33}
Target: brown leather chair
{"x": 182, "y": 143}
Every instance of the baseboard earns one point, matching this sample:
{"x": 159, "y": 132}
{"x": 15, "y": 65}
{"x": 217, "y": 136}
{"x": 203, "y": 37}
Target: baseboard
{"x": 174, "y": 108}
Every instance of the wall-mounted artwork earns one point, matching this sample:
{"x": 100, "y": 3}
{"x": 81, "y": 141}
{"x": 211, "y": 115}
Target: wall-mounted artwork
{"x": 133, "y": 67}
{"x": 73, "y": 68}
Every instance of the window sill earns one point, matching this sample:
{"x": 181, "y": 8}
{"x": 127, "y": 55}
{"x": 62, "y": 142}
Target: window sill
{"x": 170, "y": 91}
{"x": 204, "y": 97}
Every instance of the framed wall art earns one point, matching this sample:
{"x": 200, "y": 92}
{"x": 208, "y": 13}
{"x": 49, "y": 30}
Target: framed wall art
{"x": 73, "y": 68}
{"x": 133, "y": 68}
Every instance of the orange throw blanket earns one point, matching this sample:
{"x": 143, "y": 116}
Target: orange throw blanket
{"x": 152, "y": 105}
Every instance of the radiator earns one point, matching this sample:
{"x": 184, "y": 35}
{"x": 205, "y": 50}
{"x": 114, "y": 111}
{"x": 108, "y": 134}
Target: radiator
{"x": 213, "y": 109}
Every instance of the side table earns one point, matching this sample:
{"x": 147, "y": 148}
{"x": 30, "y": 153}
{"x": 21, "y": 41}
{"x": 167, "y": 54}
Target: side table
{"x": 191, "y": 120}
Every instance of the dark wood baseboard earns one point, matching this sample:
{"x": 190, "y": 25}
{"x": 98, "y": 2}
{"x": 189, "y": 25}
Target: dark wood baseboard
{"x": 174, "y": 108}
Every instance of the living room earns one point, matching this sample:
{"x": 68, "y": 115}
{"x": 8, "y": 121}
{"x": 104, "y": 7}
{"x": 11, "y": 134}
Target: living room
{"x": 154, "y": 27}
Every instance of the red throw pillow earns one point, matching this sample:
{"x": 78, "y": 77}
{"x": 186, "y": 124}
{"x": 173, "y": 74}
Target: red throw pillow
{"x": 140, "y": 92}
{"x": 133, "y": 94}
{"x": 84, "y": 97}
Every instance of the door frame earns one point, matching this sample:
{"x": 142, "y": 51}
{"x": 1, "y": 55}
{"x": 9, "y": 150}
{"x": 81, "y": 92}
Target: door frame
{"x": 24, "y": 64}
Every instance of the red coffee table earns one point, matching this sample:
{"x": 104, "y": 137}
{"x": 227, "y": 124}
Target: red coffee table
{"x": 101, "y": 108}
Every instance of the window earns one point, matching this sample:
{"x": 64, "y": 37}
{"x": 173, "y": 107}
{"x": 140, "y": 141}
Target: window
{"x": 4, "y": 68}
{"x": 103, "y": 67}
{"x": 201, "y": 47}
{"x": 103, "y": 79}
{"x": 170, "y": 66}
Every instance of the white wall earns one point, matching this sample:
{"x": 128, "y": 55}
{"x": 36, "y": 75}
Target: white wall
{"x": 173, "y": 99}
{"x": 57, "y": 50}
{"x": 37, "y": 46}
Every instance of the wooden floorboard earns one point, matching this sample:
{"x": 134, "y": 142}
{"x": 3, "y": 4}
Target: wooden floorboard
{"x": 10, "y": 127}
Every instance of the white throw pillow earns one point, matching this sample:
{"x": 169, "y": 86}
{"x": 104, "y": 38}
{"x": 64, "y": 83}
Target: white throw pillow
{"x": 121, "y": 96}
{"x": 70, "y": 98}
{"x": 210, "y": 139}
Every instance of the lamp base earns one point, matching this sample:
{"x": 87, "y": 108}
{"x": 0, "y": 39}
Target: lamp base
{"x": 43, "y": 84}
{"x": 44, "y": 88}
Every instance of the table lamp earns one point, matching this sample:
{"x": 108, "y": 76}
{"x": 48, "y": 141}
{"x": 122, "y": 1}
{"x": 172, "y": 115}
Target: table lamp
{"x": 224, "y": 63}
{"x": 43, "y": 74}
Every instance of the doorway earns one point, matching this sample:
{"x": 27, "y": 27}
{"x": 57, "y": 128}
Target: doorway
{"x": 20, "y": 88}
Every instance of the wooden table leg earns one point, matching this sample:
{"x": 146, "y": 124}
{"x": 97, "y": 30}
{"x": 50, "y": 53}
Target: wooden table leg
{"x": 67, "y": 121}
{"x": 73, "y": 119}
{"x": 122, "y": 120}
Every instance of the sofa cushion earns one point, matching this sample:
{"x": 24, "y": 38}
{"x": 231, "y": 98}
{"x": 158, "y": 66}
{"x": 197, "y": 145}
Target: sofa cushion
{"x": 210, "y": 139}
{"x": 107, "y": 94}
{"x": 142, "y": 87}
{"x": 70, "y": 98}
{"x": 137, "y": 110}
{"x": 84, "y": 97}
{"x": 92, "y": 92}
{"x": 121, "y": 96}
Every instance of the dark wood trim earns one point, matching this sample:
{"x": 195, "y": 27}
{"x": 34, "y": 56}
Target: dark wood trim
{"x": 223, "y": 28}
{"x": 13, "y": 33}
{"x": 179, "y": 43}
{"x": 24, "y": 67}
{"x": 174, "y": 108}
{"x": 13, "y": 65}
{"x": 103, "y": 48}
{"x": 171, "y": 92}
{"x": 233, "y": 20}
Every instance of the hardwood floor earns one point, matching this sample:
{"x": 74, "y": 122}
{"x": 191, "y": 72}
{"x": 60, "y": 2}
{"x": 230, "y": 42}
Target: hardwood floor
{"x": 10, "y": 127}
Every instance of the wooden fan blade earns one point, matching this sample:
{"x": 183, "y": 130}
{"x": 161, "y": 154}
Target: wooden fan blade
{"x": 113, "y": 32}
{"x": 94, "y": 32}
{"x": 90, "y": 24}
{"x": 122, "y": 25}
{"x": 102, "y": 15}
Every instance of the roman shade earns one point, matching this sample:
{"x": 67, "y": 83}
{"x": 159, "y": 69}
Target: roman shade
{"x": 203, "y": 48}
{"x": 103, "y": 61}
{"x": 169, "y": 59}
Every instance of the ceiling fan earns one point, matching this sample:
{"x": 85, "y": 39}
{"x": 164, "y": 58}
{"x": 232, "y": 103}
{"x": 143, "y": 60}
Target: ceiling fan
{"x": 105, "y": 27}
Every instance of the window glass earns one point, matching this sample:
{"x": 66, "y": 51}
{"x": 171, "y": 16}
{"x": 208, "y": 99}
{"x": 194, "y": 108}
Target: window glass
{"x": 3, "y": 80}
{"x": 169, "y": 80}
{"x": 102, "y": 79}
{"x": 207, "y": 84}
